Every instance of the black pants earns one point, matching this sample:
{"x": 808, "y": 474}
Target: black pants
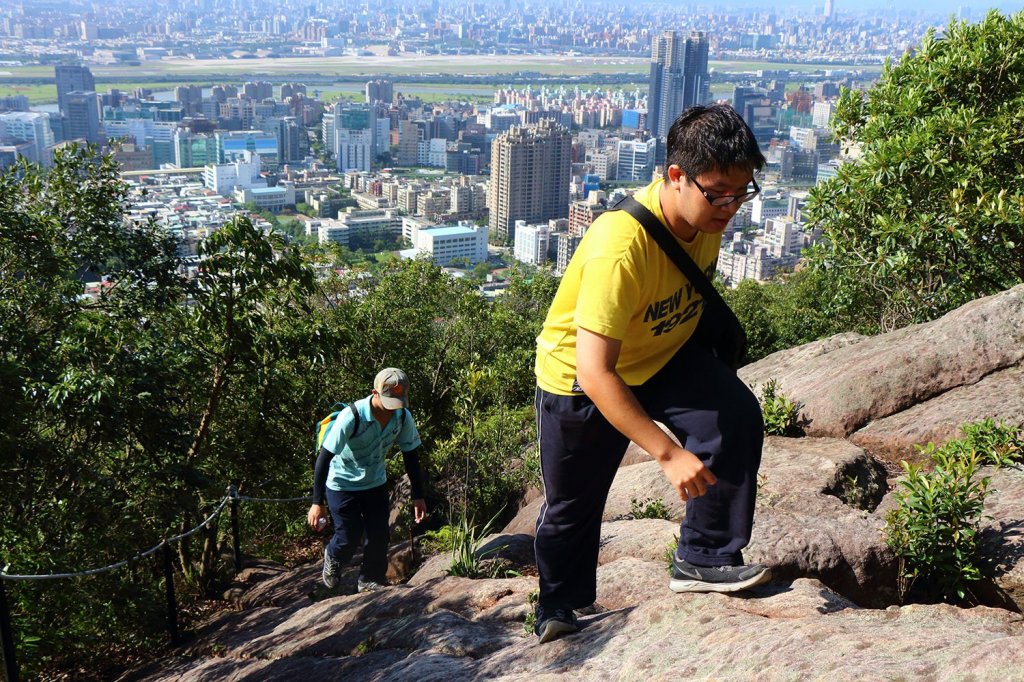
{"x": 355, "y": 513}
{"x": 714, "y": 415}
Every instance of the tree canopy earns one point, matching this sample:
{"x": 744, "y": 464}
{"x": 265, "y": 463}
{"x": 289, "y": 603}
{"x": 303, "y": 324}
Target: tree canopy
{"x": 136, "y": 385}
{"x": 931, "y": 215}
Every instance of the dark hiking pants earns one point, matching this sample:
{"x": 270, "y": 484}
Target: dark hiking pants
{"x": 357, "y": 513}
{"x": 714, "y": 415}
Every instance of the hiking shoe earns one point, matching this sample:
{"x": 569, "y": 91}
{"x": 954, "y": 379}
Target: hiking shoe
{"x": 551, "y": 623}
{"x": 368, "y": 585}
{"x": 331, "y": 570}
{"x": 689, "y": 578}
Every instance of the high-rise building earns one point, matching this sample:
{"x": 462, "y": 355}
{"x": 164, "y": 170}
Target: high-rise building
{"x": 354, "y": 127}
{"x": 530, "y": 177}
{"x": 679, "y": 77}
{"x": 192, "y": 150}
{"x": 234, "y": 145}
{"x": 408, "y": 143}
{"x": 379, "y": 90}
{"x": 636, "y": 160}
{"x": 83, "y": 117}
{"x": 821, "y": 114}
{"x": 293, "y": 143}
{"x": 258, "y": 90}
{"x": 72, "y": 79}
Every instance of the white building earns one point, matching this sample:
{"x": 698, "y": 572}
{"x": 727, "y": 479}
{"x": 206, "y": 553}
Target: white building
{"x": 445, "y": 244}
{"x": 762, "y": 208}
{"x": 636, "y": 160}
{"x": 144, "y": 131}
{"x": 244, "y": 173}
{"x": 328, "y": 230}
{"x": 371, "y": 224}
{"x": 353, "y": 149}
{"x": 742, "y": 260}
{"x": 782, "y": 236}
{"x": 821, "y": 114}
{"x": 271, "y": 199}
{"x": 432, "y": 152}
{"x": 25, "y": 126}
{"x": 803, "y": 138}
{"x": 382, "y": 136}
{"x": 531, "y": 243}
{"x": 604, "y": 162}
{"x": 411, "y": 227}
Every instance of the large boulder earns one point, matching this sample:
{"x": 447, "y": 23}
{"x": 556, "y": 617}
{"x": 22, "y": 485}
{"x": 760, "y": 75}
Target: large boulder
{"x": 813, "y": 518}
{"x": 845, "y": 383}
{"x": 998, "y": 396}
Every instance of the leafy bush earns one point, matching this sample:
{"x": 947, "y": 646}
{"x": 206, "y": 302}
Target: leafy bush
{"x": 1002, "y": 444}
{"x": 648, "y": 508}
{"x": 935, "y": 529}
{"x": 929, "y": 216}
{"x": 781, "y": 415}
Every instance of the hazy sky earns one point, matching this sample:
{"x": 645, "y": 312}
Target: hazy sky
{"x": 977, "y": 7}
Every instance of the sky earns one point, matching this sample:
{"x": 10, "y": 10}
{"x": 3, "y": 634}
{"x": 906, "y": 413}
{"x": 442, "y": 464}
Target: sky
{"x": 977, "y": 7}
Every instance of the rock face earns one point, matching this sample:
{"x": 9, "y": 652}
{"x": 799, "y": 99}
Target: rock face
{"x": 998, "y": 396}
{"x": 458, "y": 629}
{"x": 846, "y": 383}
{"x": 819, "y": 523}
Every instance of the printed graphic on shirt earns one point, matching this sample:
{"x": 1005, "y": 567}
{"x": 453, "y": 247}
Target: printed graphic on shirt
{"x": 670, "y": 312}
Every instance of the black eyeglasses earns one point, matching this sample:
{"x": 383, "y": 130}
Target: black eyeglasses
{"x": 726, "y": 199}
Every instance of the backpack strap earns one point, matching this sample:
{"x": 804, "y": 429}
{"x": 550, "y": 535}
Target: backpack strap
{"x": 356, "y": 419}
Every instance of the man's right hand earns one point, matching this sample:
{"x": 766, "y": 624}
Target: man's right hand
{"x": 316, "y": 512}
{"x": 687, "y": 473}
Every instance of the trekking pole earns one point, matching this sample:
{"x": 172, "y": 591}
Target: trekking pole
{"x": 172, "y": 604}
{"x": 236, "y": 540}
{"x": 7, "y": 634}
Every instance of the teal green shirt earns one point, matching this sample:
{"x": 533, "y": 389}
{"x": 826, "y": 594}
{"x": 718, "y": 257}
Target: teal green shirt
{"x": 358, "y": 463}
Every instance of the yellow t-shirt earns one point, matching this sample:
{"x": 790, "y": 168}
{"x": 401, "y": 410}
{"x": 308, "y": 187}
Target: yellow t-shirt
{"x": 621, "y": 284}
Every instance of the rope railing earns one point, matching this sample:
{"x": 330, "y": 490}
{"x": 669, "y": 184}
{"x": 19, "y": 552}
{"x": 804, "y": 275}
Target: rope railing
{"x": 232, "y": 497}
{"x": 103, "y": 569}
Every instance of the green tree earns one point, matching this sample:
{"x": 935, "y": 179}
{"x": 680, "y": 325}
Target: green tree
{"x": 932, "y": 213}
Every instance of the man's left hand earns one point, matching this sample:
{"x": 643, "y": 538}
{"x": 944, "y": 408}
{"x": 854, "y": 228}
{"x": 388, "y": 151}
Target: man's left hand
{"x": 419, "y": 510}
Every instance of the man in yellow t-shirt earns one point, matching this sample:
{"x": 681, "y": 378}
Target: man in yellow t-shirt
{"x": 616, "y": 353}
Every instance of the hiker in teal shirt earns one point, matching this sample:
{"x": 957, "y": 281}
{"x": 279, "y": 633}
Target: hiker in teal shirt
{"x": 351, "y": 472}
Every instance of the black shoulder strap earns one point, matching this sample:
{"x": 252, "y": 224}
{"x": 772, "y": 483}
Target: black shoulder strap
{"x": 676, "y": 253}
{"x": 355, "y": 418}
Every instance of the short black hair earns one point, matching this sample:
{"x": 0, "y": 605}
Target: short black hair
{"x": 712, "y": 138}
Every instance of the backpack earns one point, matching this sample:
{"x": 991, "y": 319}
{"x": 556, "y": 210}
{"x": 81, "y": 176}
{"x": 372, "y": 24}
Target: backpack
{"x": 324, "y": 425}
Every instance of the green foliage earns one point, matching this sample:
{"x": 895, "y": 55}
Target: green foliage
{"x": 125, "y": 414}
{"x": 440, "y": 540}
{"x": 785, "y": 312}
{"x": 531, "y": 616}
{"x": 781, "y": 415}
{"x": 468, "y": 560}
{"x": 648, "y": 508}
{"x": 935, "y": 529}
{"x": 931, "y": 215}
{"x": 670, "y": 552}
{"x": 1000, "y": 443}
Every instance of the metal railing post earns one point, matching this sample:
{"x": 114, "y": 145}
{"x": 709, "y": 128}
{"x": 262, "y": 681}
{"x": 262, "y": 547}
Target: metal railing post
{"x": 7, "y": 634}
{"x": 172, "y": 603}
{"x": 233, "y": 492}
